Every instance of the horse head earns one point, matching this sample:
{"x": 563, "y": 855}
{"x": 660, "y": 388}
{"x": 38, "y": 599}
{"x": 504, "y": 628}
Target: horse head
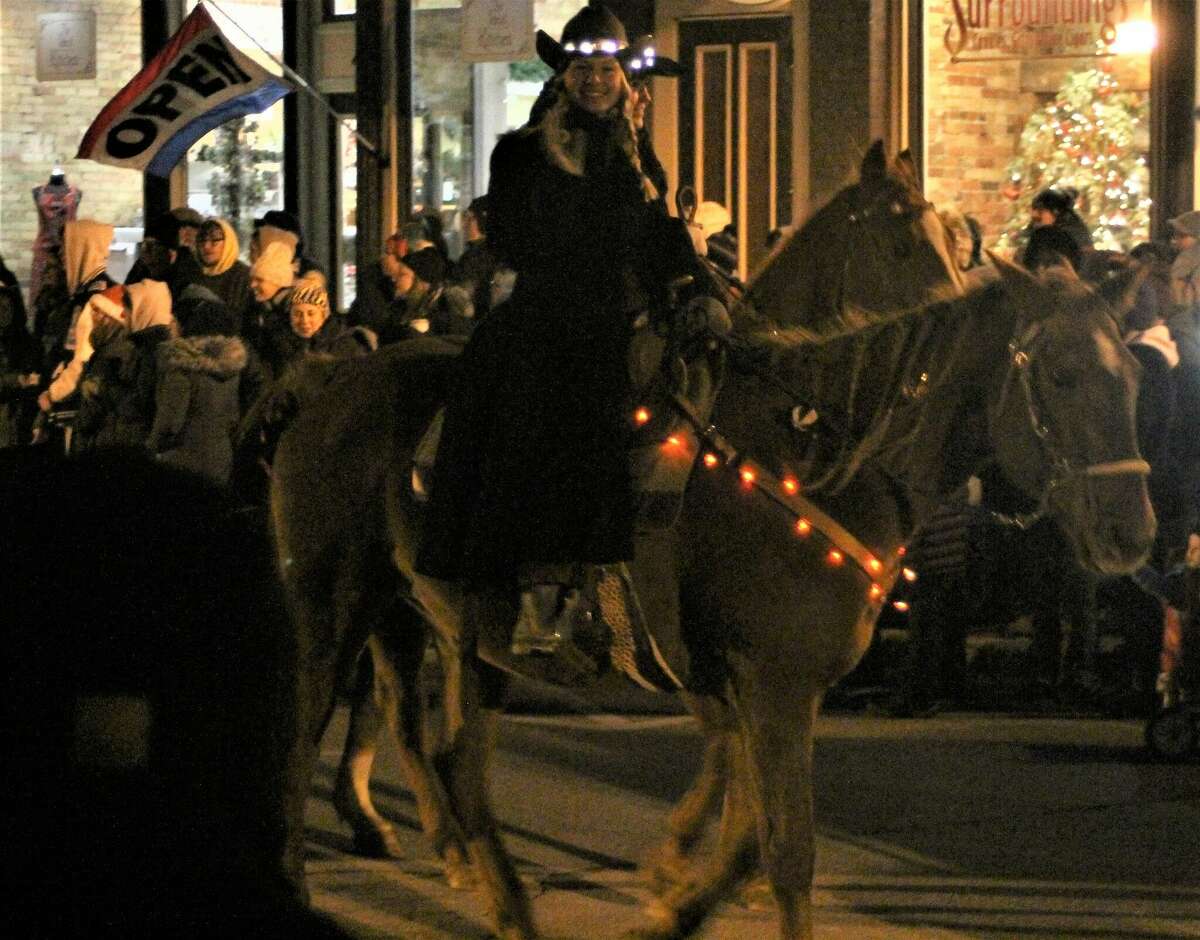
{"x": 1061, "y": 416}
{"x": 879, "y": 245}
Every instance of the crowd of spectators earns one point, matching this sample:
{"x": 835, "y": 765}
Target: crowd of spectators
{"x": 172, "y": 359}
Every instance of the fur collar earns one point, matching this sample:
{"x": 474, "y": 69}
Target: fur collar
{"x": 219, "y": 356}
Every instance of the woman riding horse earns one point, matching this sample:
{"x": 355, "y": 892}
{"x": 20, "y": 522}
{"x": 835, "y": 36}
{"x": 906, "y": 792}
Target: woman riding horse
{"x": 533, "y": 476}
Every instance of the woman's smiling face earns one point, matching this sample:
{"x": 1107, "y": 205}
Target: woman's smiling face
{"x": 594, "y": 83}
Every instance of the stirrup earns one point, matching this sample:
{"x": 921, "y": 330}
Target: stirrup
{"x": 545, "y": 619}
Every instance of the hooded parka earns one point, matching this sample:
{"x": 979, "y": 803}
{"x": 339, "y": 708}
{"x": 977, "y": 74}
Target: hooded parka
{"x": 196, "y": 403}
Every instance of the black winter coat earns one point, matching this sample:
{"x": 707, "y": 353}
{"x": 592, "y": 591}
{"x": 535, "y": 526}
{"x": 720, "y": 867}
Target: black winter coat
{"x": 116, "y": 404}
{"x": 197, "y": 412}
{"x": 533, "y": 467}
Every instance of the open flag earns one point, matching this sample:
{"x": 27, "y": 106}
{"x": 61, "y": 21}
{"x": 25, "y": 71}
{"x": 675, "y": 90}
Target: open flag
{"x": 198, "y": 81}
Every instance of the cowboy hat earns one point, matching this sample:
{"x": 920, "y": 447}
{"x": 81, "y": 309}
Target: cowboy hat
{"x": 596, "y": 31}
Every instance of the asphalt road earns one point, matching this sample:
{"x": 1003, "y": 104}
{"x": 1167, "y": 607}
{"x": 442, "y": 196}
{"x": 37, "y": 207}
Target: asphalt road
{"x": 959, "y": 826}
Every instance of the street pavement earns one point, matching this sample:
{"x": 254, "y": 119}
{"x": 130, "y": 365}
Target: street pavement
{"x": 958, "y": 826}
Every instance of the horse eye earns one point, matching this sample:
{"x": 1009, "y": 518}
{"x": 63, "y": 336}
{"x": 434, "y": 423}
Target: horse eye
{"x": 897, "y": 208}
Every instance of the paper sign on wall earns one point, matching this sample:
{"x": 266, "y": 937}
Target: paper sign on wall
{"x": 66, "y": 48}
{"x": 497, "y": 30}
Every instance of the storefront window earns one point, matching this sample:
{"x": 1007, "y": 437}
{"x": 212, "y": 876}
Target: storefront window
{"x": 236, "y": 171}
{"x": 460, "y": 108}
{"x": 348, "y": 204}
{"x": 1023, "y": 95}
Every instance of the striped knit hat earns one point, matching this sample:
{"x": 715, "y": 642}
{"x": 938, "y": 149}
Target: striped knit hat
{"x": 310, "y": 291}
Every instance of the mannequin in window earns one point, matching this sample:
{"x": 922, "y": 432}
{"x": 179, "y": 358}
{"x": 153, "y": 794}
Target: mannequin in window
{"x": 57, "y": 203}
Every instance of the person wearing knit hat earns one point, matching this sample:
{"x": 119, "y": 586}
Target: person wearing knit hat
{"x": 189, "y": 222}
{"x": 221, "y": 272}
{"x": 309, "y": 307}
{"x": 271, "y": 280}
{"x": 534, "y": 482}
{"x": 265, "y": 235}
{"x": 1056, "y": 206}
{"x": 312, "y": 329}
{"x": 427, "y": 264}
{"x": 272, "y": 271}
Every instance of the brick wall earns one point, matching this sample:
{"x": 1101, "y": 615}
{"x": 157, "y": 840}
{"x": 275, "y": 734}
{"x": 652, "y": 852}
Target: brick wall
{"x": 43, "y": 122}
{"x": 974, "y": 115}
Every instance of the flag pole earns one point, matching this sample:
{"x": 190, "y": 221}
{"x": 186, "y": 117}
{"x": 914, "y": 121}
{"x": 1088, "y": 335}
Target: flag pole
{"x": 303, "y": 83}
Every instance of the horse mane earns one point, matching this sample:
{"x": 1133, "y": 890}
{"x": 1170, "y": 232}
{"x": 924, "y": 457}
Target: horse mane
{"x": 860, "y": 373}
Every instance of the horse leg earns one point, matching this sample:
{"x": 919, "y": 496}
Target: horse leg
{"x": 394, "y": 694}
{"x": 373, "y": 835}
{"x": 468, "y": 739}
{"x": 778, "y": 722}
{"x": 321, "y": 627}
{"x": 680, "y": 912}
{"x": 669, "y": 863}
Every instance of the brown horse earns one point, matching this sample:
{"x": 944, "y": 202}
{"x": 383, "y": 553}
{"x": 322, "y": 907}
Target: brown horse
{"x": 1030, "y": 373}
{"x": 881, "y": 230}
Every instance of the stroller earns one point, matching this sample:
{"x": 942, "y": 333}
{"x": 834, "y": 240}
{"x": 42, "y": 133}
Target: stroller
{"x": 1173, "y": 731}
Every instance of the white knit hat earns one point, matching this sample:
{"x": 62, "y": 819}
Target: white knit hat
{"x": 274, "y": 265}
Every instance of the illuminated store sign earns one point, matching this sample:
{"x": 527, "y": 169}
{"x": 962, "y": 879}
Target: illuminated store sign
{"x": 1029, "y": 29}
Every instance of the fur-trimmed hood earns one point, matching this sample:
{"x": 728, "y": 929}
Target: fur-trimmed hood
{"x": 220, "y": 356}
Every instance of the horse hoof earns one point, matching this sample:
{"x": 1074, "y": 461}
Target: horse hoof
{"x": 459, "y": 873}
{"x": 377, "y": 843}
{"x": 664, "y": 926}
{"x": 757, "y": 896}
{"x": 667, "y": 871}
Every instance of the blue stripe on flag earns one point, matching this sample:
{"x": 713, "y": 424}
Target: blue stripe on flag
{"x": 172, "y": 151}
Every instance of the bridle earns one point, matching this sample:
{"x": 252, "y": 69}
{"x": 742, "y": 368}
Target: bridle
{"x": 1063, "y": 470}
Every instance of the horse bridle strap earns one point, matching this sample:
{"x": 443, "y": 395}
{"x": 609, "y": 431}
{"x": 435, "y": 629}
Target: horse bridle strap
{"x": 808, "y": 515}
{"x": 1063, "y": 470}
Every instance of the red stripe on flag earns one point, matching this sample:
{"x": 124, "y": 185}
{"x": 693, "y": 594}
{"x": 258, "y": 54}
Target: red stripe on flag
{"x": 198, "y": 21}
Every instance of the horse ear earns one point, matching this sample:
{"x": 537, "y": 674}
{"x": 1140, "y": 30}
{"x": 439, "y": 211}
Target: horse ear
{"x": 1121, "y": 290}
{"x": 874, "y": 165}
{"x": 907, "y": 166}
{"x": 1025, "y": 288}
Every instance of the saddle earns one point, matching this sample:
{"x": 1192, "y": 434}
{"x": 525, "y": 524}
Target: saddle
{"x": 675, "y": 370}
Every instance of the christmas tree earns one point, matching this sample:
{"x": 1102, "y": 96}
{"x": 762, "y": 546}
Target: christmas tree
{"x": 1088, "y": 138}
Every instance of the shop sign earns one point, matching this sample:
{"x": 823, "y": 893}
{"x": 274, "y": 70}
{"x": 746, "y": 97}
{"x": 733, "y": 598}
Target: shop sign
{"x": 993, "y": 30}
{"x": 497, "y": 30}
{"x": 66, "y": 48}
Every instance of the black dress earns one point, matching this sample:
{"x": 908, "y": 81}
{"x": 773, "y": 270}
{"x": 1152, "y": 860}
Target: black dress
{"x": 533, "y": 467}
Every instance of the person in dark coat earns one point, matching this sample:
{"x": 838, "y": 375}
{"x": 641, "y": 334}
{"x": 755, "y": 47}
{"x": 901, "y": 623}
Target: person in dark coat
{"x": 533, "y": 478}
{"x": 271, "y": 280}
{"x": 312, "y": 329}
{"x": 20, "y": 364}
{"x": 1049, "y": 246}
{"x": 476, "y": 266}
{"x": 1056, "y": 207}
{"x": 221, "y": 271}
{"x": 196, "y": 397}
{"x": 117, "y": 389}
